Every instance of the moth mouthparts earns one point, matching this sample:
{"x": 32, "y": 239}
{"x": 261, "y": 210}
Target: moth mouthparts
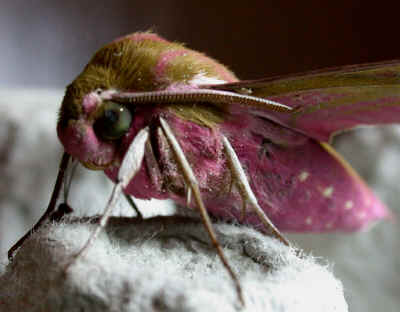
{"x": 217, "y": 97}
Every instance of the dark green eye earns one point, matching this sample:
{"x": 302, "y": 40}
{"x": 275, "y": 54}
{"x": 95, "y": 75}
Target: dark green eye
{"x": 113, "y": 122}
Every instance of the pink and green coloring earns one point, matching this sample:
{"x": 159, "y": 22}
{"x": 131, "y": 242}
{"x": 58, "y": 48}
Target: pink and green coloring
{"x": 298, "y": 179}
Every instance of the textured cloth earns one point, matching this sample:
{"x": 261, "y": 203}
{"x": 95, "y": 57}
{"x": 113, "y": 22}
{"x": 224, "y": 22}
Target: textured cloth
{"x": 164, "y": 264}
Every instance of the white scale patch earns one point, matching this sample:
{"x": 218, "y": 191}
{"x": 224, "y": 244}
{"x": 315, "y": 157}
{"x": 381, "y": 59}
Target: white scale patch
{"x": 348, "y": 205}
{"x": 303, "y": 176}
{"x": 202, "y": 79}
{"x": 327, "y": 192}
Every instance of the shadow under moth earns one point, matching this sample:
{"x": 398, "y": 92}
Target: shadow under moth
{"x": 163, "y": 121}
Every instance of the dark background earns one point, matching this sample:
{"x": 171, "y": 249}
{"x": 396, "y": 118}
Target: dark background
{"x": 46, "y": 43}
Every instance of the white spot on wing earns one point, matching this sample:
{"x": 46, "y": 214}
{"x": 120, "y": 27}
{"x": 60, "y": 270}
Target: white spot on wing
{"x": 303, "y": 176}
{"x": 308, "y": 220}
{"x": 348, "y": 205}
{"x": 327, "y": 192}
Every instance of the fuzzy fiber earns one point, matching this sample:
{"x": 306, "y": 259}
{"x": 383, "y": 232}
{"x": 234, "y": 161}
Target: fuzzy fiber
{"x": 164, "y": 264}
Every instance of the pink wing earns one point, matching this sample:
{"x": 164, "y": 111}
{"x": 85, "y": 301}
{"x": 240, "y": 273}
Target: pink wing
{"x": 302, "y": 184}
{"x": 332, "y": 100}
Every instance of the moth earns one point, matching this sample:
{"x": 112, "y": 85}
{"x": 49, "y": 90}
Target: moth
{"x": 164, "y": 121}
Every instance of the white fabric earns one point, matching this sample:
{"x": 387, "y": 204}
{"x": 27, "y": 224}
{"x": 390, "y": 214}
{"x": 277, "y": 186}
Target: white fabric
{"x": 156, "y": 266}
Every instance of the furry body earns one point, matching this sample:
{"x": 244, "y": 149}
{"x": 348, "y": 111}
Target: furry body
{"x": 301, "y": 184}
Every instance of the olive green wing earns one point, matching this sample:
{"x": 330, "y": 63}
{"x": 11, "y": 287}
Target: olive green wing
{"x": 331, "y": 100}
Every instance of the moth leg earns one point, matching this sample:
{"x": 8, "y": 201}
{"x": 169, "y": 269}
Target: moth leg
{"x": 130, "y": 166}
{"x": 191, "y": 181}
{"x": 68, "y": 179}
{"x": 50, "y": 208}
{"x": 246, "y": 192}
{"x": 188, "y": 196}
{"x": 64, "y": 208}
{"x": 129, "y": 199}
{"x": 243, "y": 211}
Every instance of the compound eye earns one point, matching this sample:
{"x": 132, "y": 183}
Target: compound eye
{"x": 113, "y": 122}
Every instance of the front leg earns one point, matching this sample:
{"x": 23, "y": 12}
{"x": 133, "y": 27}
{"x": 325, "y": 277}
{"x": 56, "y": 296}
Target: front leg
{"x": 192, "y": 183}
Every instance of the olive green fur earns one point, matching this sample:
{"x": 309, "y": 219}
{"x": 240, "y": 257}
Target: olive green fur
{"x": 129, "y": 65}
{"x": 204, "y": 114}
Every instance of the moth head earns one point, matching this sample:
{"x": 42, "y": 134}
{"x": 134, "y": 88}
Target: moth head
{"x": 93, "y": 131}
{"x": 91, "y": 124}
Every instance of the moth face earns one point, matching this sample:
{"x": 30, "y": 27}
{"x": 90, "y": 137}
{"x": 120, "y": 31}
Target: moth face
{"x": 92, "y": 131}
{"x": 90, "y": 127}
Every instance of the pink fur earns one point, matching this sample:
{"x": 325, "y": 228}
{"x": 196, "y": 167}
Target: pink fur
{"x": 328, "y": 199}
{"x": 299, "y": 183}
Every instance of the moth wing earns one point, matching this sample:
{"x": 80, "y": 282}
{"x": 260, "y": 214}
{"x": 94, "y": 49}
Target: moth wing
{"x": 301, "y": 184}
{"x": 331, "y": 100}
